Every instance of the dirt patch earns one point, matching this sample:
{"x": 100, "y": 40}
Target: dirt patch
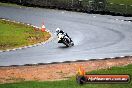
{"x": 56, "y": 71}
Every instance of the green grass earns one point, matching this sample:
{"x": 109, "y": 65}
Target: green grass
{"x": 71, "y": 83}
{"x": 14, "y": 35}
{"x": 117, "y": 8}
{"x": 9, "y": 4}
{"x": 127, "y": 2}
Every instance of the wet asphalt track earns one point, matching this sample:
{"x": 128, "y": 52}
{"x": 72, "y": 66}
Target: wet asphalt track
{"x": 95, "y": 36}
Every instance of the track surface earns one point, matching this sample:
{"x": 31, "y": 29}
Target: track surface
{"x": 95, "y": 36}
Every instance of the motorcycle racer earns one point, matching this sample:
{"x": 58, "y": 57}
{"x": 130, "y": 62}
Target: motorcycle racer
{"x": 58, "y": 30}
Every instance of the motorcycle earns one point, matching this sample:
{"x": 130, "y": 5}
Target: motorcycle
{"x": 62, "y": 38}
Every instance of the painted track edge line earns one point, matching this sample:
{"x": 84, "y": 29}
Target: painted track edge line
{"x": 61, "y": 62}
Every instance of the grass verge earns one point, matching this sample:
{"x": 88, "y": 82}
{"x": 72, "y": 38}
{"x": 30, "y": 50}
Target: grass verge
{"x": 14, "y": 35}
{"x": 9, "y": 4}
{"x": 126, "y": 2}
{"x": 71, "y": 83}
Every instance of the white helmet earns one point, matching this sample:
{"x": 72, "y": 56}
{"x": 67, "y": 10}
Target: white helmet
{"x": 58, "y": 30}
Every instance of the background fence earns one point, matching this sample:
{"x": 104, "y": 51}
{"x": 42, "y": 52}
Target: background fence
{"x": 122, "y": 7}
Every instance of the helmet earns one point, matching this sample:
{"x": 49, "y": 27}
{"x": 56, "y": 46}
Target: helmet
{"x": 58, "y": 30}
